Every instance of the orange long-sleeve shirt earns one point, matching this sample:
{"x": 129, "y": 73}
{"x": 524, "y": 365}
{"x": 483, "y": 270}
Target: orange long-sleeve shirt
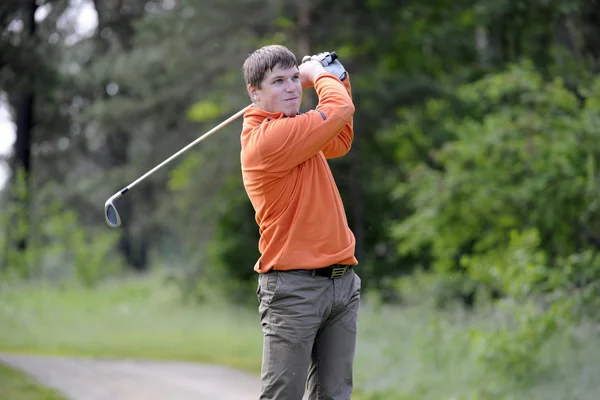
{"x": 299, "y": 211}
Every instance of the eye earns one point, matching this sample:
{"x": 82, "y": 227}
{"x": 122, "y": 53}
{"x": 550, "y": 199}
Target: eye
{"x": 296, "y": 77}
{"x": 278, "y": 81}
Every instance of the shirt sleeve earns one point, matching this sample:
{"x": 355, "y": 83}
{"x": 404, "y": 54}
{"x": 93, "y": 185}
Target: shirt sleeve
{"x": 342, "y": 142}
{"x": 284, "y": 143}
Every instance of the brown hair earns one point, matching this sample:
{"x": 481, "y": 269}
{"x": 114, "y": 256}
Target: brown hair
{"x": 265, "y": 59}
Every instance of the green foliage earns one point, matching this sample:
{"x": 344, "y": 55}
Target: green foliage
{"x": 204, "y": 111}
{"x": 469, "y": 161}
{"x": 93, "y": 257}
{"x": 506, "y": 208}
{"x": 531, "y": 313}
{"x": 234, "y": 255}
{"x": 514, "y": 164}
{"x": 474, "y": 172}
{"x": 56, "y": 244}
{"x": 18, "y": 258}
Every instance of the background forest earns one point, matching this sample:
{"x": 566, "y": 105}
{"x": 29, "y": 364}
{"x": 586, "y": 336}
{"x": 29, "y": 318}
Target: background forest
{"x": 472, "y": 187}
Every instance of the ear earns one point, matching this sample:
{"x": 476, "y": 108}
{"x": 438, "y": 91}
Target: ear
{"x": 253, "y": 93}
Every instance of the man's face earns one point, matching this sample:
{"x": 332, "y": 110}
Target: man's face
{"x": 281, "y": 91}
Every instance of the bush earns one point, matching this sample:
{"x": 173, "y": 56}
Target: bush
{"x": 57, "y": 244}
{"x": 507, "y": 208}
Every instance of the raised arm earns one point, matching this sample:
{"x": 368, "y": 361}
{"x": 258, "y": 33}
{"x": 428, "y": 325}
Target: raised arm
{"x": 284, "y": 143}
{"x": 341, "y": 144}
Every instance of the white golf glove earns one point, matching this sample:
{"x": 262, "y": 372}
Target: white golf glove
{"x": 330, "y": 65}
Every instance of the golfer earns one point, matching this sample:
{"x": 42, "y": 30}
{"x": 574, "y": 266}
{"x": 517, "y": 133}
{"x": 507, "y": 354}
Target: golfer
{"x": 308, "y": 290}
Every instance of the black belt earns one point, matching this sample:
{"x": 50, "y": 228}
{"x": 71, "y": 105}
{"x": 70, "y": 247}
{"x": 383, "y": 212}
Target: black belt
{"x": 333, "y": 271}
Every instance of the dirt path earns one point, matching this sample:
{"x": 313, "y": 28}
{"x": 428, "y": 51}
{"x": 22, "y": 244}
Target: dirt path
{"x": 100, "y": 379}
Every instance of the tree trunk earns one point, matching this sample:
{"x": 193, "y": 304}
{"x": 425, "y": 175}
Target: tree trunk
{"x": 591, "y": 22}
{"x": 25, "y": 123}
{"x": 304, "y": 22}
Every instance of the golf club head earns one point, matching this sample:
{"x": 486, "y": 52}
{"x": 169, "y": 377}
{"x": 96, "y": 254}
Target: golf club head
{"x": 110, "y": 212}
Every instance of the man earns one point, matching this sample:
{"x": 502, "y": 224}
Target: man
{"x": 308, "y": 291}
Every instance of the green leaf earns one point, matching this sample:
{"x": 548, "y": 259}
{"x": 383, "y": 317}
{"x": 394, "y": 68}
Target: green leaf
{"x": 204, "y": 111}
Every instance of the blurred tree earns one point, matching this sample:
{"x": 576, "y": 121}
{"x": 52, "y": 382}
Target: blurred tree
{"x": 36, "y": 77}
{"x": 546, "y": 33}
{"x": 154, "y": 75}
{"x": 25, "y": 110}
{"x": 114, "y": 35}
{"x": 179, "y": 53}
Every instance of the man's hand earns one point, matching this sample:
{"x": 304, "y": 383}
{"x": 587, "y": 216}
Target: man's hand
{"x": 330, "y": 65}
{"x": 309, "y": 71}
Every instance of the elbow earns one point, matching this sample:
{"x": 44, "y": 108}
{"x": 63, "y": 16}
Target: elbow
{"x": 347, "y": 111}
{"x": 342, "y": 108}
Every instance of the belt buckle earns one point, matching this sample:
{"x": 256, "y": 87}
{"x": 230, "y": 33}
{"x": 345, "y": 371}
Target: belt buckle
{"x": 338, "y": 272}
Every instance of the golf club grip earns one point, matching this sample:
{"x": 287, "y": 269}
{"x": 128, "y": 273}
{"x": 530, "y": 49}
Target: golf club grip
{"x": 334, "y": 56}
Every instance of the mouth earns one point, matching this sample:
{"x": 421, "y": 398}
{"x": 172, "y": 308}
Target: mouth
{"x": 292, "y": 99}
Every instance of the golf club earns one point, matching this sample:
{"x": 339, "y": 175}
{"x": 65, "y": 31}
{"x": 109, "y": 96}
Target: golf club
{"x": 113, "y": 219}
{"x": 110, "y": 211}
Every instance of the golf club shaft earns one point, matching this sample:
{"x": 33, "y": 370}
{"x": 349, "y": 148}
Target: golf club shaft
{"x": 201, "y": 138}
{"x": 334, "y": 56}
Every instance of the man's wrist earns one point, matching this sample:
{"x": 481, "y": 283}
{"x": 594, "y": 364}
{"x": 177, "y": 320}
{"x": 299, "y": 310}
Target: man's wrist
{"x": 326, "y": 73}
{"x": 320, "y": 73}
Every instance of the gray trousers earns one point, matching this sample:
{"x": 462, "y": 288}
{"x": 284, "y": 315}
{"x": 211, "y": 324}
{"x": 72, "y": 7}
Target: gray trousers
{"x": 309, "y": 328}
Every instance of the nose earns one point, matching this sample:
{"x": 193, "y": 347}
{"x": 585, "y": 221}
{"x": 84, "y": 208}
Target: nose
{"x": 290, "y": 86}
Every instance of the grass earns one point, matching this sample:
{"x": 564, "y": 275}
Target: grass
{"x": 419, "y": 354}
{"x": 138, "y": 318}
{"x": 15, "y": 385}
{"x": 402, "y": 353}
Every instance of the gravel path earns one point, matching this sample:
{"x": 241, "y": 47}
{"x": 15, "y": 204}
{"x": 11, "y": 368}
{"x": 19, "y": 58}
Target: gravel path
{"x": 101, "y": 379}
